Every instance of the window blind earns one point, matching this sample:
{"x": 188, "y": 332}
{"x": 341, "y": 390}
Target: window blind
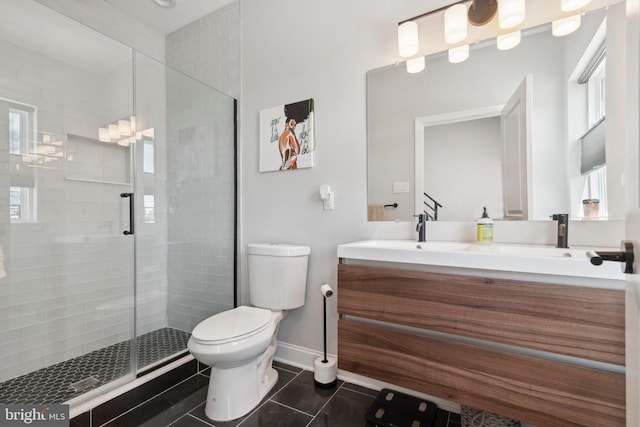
{"x": 592, "y": 148}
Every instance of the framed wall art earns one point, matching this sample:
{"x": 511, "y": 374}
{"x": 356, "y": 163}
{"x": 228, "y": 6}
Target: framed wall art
{"x": 287, "y": 137}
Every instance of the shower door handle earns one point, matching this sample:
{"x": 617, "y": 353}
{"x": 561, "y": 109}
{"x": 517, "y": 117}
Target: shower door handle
{"x": 131, "y": 213}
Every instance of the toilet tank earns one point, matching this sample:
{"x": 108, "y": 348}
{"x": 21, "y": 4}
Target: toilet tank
{"x": 277, "y": 275}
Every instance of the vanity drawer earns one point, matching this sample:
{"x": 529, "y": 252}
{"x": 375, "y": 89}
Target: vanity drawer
{"x": 576, "y": 321}
{"x": 538, "y": 391}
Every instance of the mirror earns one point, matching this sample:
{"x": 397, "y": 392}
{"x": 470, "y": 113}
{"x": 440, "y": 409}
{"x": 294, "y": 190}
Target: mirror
{"x": 445, "y": 131}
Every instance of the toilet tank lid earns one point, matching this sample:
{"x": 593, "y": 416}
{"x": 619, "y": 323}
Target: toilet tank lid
{"x": 277, "y": 249}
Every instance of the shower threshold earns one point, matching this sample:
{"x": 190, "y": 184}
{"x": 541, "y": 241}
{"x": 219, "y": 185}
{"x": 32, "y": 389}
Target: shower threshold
{"x": 69, "y": 379}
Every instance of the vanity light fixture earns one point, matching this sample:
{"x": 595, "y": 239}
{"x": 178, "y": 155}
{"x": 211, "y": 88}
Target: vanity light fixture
{"x": 510, "y": 13}
{"x": 509, "y": 40}
{"x": 408, "y": 38}
{"x": 415, "y": 65}
{"x": 458, "y": 54}
{"x": 455, "y": 24}
{"x": 564, "y": 26}
{"x": 459, "y": 14}
{"x": 457, "y": 17}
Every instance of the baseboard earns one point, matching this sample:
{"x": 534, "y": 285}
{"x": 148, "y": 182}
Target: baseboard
{"x": 302, "y": 357}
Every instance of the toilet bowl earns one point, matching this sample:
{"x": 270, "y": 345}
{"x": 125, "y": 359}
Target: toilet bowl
{"x": 239, "y": 345}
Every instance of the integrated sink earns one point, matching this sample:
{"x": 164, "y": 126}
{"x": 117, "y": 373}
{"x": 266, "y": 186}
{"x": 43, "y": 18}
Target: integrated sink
{"x": 411, "y": 244}
{"x": 537, "y": 259}
{"x": 531, "y": 251}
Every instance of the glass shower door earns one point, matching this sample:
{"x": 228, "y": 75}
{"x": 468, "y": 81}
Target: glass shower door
{"x": 185, "y": 178}
{"x": 66, "y": 268}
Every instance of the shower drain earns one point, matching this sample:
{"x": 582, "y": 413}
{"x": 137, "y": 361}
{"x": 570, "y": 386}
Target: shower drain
{"x": 85, "y": 384}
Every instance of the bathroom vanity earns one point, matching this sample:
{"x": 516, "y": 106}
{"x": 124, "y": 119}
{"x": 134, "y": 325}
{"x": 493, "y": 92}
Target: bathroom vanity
{"x": 531, "y": 333}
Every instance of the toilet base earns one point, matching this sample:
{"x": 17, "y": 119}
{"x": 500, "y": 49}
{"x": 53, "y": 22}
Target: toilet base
{"x": 234, "y": 392}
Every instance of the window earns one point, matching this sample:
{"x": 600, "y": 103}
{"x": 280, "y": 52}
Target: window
{"x": 593, "y": 143}
{"x": 22, "y": 188}
{"x": 149, "y": 209}
{"x": 18, "y": 131}
{"x": 148, "y": 163}
{"x": 21, "y": 204}
{"x": 596, "y": 89}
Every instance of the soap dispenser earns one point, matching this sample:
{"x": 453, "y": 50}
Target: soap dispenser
{"x": 484, "y": 228}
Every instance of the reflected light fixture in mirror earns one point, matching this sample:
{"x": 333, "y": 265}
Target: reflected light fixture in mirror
{"x": 408, "y": 39}
{"x": 509, "y": 40}
{"x": 115, "y": 131}
{"x": 458, "y": 54}
{"x": 455, "y": 24}
{"x": 565, "y": 26}
{"x": 415, "y": 65}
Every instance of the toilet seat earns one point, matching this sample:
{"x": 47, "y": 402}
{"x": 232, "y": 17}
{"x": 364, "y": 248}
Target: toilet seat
{"x": 232, "y": 325}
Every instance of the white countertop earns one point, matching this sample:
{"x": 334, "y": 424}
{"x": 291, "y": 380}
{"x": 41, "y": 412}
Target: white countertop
{"x": 533, "y": 259}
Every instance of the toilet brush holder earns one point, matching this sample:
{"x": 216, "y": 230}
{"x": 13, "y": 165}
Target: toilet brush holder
{"x": 325, "y": 368}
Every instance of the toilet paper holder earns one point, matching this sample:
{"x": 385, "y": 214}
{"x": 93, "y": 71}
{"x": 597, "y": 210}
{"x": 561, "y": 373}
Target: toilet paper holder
{"x": 325, "y": 368}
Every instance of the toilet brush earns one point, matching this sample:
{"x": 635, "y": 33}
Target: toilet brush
{"x": 325, "y": 368}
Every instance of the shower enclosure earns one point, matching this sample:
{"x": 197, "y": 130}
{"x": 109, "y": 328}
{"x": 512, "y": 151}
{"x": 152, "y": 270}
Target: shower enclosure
{"x": 117, "y": 208}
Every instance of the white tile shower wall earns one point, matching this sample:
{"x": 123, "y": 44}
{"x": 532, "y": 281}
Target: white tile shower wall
{"x": 201, "y": 202}
{"x": 67, "y": 276}
{"x": 209, "y": 49}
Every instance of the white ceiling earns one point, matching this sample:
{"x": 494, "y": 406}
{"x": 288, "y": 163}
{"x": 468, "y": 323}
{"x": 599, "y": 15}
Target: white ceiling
{"x": 168, "y": 20}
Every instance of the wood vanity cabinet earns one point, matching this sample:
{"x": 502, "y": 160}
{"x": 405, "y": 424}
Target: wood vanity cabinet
{"x": 495, "y": 344}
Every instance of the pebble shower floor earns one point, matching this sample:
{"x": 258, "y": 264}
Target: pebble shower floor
{"x": 72, "y": 378}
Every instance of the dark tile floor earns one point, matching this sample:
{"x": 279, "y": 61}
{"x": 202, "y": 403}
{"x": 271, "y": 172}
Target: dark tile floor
{"x": 293, "y": 402}
{"x": 66, "y": 380}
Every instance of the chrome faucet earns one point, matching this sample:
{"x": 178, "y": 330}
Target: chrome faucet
{"x": 421, "y": 228}
{"x": 562, "y": 232}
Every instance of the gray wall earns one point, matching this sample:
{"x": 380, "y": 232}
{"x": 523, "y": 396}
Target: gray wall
{"x": 324, "y": 52}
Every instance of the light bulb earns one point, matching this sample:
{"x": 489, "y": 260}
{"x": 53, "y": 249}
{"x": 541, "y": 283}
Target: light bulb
{"x": 415, "y": 65}
{"x": 455, "y": 23}
{"x": 564, "y": 26}
{"x": 510, "y": 13}
{"x": 508, "y": 41}
{"x": 408, "y": 39}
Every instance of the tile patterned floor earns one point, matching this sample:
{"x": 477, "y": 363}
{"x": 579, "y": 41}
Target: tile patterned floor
{"x": 54, "y": 384}
{"x": 293, "y": 402}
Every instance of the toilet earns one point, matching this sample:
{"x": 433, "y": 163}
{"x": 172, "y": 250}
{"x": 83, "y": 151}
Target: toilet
{"x": 239, "y": 344}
